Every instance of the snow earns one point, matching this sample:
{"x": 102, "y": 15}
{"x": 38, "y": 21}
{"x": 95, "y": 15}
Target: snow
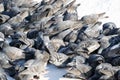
{"x": 55, "y": 73}
{"x": 111, "y": 7}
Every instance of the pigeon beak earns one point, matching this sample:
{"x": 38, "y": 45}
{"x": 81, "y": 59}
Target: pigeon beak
{"x": 101, "y": 15}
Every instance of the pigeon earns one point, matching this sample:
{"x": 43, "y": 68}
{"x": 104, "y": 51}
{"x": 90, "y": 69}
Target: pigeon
{"x": 13, "y": 53}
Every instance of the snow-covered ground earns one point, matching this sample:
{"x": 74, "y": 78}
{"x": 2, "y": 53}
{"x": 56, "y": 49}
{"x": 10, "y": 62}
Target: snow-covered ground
{"x": 56, "y": 72}
{"x": 111, "y": 7}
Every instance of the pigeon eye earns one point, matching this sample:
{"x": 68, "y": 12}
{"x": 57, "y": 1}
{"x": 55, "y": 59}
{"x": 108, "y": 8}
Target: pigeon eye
{"x": 36, "y": 77}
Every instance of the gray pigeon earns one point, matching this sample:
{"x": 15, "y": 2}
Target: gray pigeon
{"x": 12, "y": 52}
{"x": 93, "y": 18}
{"x": 35, "y": 67}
